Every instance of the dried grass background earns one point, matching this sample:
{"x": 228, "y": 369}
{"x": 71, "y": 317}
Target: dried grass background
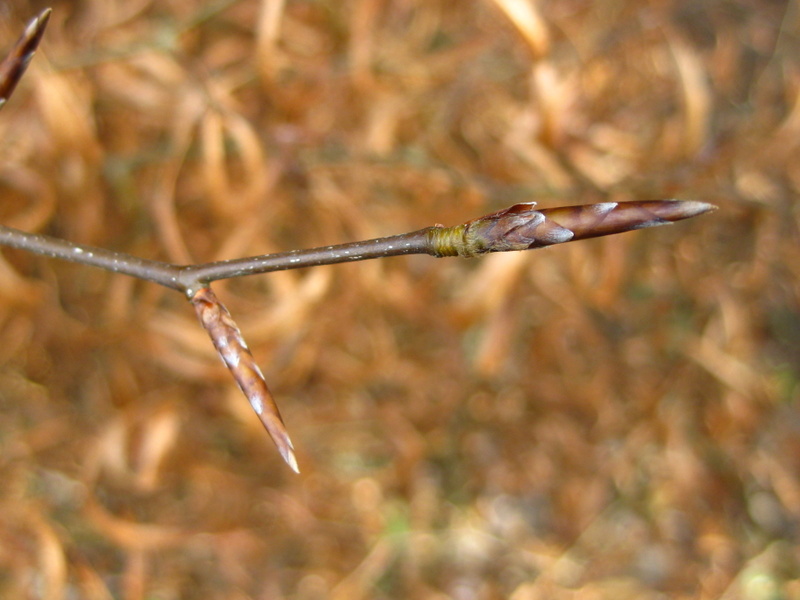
{"x": 615, "y": 418}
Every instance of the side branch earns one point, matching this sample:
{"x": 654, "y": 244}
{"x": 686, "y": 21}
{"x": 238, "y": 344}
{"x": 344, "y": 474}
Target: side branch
{"x": 117, "y": 262}
{"x": 415, "y": 242}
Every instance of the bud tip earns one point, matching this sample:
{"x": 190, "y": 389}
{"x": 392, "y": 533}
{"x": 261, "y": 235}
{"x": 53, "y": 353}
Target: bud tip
{"x": 692, "y": 208}
{"x": 290, "y": 458}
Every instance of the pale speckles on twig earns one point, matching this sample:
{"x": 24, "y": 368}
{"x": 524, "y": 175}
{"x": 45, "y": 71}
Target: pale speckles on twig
{"x": 230, "y": 345}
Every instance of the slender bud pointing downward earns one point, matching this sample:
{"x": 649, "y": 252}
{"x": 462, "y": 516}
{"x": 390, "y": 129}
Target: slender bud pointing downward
{"x": 230, "y": 345}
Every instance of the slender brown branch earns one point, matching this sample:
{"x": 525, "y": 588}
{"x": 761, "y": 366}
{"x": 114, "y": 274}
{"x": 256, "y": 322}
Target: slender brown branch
{"x": 117, "y": 262}
{"x": 520, "y": 227}
{"x": 415, "y": 242}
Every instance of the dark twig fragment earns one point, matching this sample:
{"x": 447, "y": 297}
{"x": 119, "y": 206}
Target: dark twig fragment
{"x": 14, "y": 65}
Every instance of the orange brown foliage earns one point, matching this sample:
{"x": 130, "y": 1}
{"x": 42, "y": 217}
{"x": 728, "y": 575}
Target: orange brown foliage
{"x": 615, "y": 418}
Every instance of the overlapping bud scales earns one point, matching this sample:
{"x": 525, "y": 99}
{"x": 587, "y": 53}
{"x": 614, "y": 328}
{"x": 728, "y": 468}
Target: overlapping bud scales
{"x": 522, "y": 227}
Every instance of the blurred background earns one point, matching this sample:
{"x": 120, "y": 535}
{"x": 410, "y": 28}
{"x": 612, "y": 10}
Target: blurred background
{"x": 615, "y": 418}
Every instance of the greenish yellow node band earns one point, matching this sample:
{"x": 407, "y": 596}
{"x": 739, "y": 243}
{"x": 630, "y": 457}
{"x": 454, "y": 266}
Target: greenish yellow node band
{"x": 448, "y": 241}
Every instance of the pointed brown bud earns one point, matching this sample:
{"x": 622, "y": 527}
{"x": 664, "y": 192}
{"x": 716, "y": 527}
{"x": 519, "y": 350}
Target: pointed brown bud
{"x": 594, "y": 220}
{"x": 522, "y": 227}
{"x": 234, "y": 352}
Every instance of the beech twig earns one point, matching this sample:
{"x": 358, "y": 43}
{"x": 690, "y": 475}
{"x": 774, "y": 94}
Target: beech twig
{"x": 519, "y": 227}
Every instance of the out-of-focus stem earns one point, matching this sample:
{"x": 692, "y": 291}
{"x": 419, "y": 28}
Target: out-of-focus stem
{"x": 14, "y": 65}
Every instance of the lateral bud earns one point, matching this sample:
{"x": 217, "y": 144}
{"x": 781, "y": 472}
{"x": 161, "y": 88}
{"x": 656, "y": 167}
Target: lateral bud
{"x": 233, "y": 350}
